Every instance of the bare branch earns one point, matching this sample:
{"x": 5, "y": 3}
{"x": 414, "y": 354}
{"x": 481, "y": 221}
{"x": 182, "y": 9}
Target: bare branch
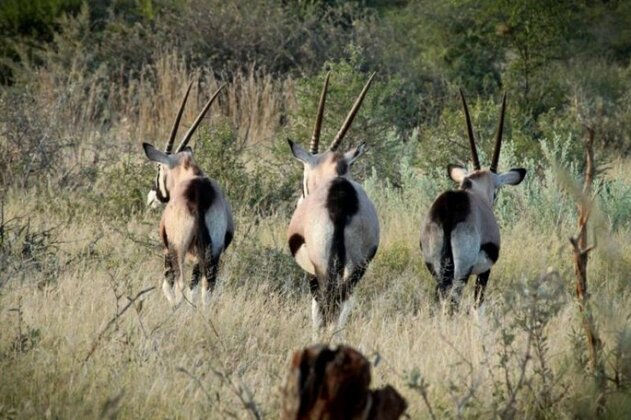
{"x": 114, "y": 319}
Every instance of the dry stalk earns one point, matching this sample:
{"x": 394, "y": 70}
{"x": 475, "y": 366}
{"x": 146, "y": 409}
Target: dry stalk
{"x": 581, "y": 255}
{"x": 239, "y": 389}
{"x": 111, "y": 322}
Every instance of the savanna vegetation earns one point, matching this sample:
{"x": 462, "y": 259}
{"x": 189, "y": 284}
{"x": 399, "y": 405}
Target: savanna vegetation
{"x": 83, "y": 331}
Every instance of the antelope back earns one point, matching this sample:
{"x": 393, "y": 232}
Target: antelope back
{"x": 339, "y": 203}
{"x": 320, "y": 168}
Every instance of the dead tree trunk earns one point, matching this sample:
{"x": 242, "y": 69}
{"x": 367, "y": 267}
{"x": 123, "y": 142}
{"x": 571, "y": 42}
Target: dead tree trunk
{"x": 333, "y": 385}
{"x": 581, "y": 256}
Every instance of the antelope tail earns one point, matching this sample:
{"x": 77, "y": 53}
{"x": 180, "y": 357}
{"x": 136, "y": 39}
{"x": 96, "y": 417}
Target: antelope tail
{"x": 342, "y": 204}
{"x": 446, "y": 271}
{"x": 203, "y": 244}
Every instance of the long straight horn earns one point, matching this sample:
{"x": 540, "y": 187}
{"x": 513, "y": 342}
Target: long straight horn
{"x": 315, "y": 139}
{"x": 169, "y": 147}
{"x": 474, "y": 151}
{"x": 198, "y": 120}
{"x": 351, "y": 115}
{"x": 498, "y": 138}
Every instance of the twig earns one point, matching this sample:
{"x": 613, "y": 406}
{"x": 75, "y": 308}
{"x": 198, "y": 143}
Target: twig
{"x": 581, "y": 257}
{"x": 198, "y": 382}
{"x": 114, "y": 319}
{"x": 520, "y": 382}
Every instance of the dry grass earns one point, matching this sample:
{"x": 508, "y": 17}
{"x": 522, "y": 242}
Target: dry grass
{"x": 215, "y": 361}
{"x": 68, "y": 350}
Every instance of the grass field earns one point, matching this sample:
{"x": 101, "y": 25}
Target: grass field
{"x": 71, "y": 346}
{"x": 85, "y": 331}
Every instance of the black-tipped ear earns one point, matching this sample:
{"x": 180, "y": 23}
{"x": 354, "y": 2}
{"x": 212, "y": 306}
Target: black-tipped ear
{"x": 155, "y": 155}
{"x": 353, "y": 154}
{"x": 300, "y": 153}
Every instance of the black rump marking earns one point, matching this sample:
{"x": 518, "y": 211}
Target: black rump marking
{"x": 449, "y": 209}
{"x": 342, "y": 202}
{"x": 295, "y": 242}
{"x": 491, "y": 250}
{"x": 200, "y": 195}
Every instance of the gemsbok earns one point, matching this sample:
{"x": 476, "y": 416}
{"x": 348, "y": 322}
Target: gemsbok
{"x": 334, "y": 231}
{"x": 460, "y": 235}
{"x": 197, "y": 220}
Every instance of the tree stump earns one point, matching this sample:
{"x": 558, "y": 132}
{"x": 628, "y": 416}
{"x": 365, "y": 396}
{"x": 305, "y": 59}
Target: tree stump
{"x": 334, "y": 384}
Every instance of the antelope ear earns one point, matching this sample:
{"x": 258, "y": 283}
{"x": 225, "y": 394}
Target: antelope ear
{"x": 456, "y": 172}
{"x": 300, "y": 153}
{"x": 156, "y": 155}
{"x": 513, "y": 176}
{"x": 186, "y": 149}
{"x": 353, "y": 154}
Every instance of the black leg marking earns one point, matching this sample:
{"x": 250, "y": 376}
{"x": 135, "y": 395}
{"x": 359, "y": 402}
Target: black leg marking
{"x": 212, "y": 268}
{"x": 196, "y": 276}
{"x": 349, "y": 284}
{"x": 480, "y": 287}
{"x": 171, "y": 269}
{"x": 314, "y": 286}
{"x": 227, "y": 240}
{"x": 442, "y": 290}
{"x": 430, "y": 268}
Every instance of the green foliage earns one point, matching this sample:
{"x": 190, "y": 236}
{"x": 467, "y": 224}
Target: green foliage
{"x": 261, "y": 266}
{"x": 256, "y": 186}
{"x": 25, "y": 250}
{"x": 121, "y": 189}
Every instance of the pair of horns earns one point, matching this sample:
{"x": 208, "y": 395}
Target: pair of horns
{"x": 498, "y": 135}
{"x": 169, "y": 146}
{"x": 315, "y": 139}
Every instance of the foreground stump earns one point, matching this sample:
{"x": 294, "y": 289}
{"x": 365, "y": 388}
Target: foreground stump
{"x": 333, "y": 384}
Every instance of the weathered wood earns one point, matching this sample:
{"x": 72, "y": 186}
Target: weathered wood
{"x": 581, "y": 257}
{"x": 334, "y": 384}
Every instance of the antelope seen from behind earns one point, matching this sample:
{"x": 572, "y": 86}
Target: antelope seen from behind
{"x": 334, "y": 231}
{"x": 197, "y": 220}
{"x": 460, "y": 235}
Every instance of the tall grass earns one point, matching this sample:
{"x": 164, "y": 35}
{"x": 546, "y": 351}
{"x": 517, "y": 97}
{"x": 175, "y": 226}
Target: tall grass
{"x": 77, "y": 244}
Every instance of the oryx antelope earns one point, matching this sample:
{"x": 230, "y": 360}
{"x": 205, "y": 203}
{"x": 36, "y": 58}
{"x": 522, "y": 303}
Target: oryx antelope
{"x": 334, "y": 231}
{"x": 197, "y": 220}
{"x": 460, "y": 235}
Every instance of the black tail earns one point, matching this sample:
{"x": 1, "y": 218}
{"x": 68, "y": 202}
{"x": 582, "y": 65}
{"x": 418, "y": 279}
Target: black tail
{"x": 446, "y": 272}
{"x": 449, "y": 209}
{"x": 203, "y": 245}
{"x": 200, "y": 196}
{"x": 342, "y": 204}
